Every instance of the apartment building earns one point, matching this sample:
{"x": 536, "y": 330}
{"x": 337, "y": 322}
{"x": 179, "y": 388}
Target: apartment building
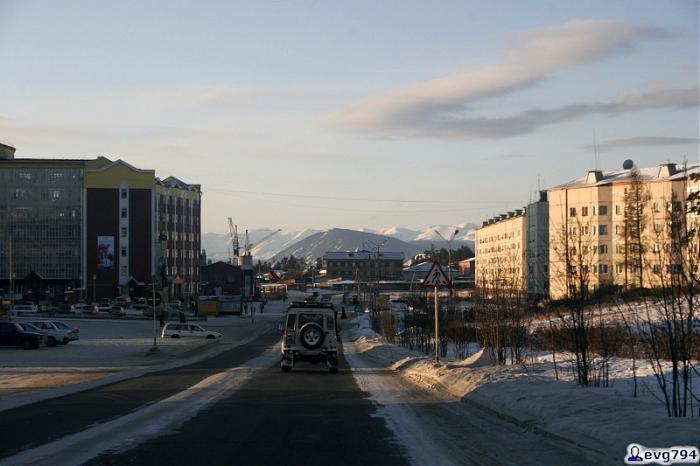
{"x": 616, "y": 228}
{"x": 501, "y": 245}
{"x": 537, "y": 249}
{"x": 179, "y": 215}
{"x": 87, "y": 225}
{"x": 364, "y": 265}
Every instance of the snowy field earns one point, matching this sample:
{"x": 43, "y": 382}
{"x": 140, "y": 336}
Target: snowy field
{"x": 603, "y": 420}
{"x": 113, "y": 348}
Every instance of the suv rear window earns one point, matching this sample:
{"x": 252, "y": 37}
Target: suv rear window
{"x": 306, "y": 318}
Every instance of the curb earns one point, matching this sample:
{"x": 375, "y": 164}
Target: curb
{"x": 531, "y": 426}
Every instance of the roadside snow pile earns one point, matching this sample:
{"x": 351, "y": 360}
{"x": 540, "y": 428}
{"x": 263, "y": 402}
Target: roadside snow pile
{"x": 605, "y": 420}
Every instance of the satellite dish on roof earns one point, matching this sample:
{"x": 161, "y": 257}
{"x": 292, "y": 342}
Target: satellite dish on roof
{"x": 628, "y": 164}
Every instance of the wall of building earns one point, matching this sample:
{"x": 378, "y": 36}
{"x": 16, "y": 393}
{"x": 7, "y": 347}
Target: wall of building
{"x": 596, "y": 244}
{"x": 500, "y": 254}
{"x": 537, "y": 251}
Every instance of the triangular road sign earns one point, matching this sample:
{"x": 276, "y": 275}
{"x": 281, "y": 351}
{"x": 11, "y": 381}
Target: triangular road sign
{"x": 436, "y": 276}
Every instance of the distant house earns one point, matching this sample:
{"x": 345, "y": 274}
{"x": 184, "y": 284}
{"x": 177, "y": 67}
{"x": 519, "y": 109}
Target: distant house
{"x": 419, "y": 271}
{"x": 364, "y": 265}
{"x": 222, "y": 278}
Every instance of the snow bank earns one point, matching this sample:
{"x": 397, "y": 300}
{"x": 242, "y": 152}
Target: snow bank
{"x": 603, "y": 420}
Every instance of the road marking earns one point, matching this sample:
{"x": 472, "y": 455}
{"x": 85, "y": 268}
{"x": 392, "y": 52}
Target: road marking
{"x": 128, "y": 431}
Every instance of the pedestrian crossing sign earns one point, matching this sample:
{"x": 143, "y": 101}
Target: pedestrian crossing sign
{"x": 436, "y": 276}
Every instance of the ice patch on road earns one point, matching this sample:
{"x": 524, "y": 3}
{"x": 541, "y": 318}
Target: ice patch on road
{"x": 128, "y": 431}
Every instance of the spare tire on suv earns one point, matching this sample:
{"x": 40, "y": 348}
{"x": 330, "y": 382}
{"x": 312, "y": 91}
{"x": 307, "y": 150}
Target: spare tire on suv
{"x": 311, "y": 335}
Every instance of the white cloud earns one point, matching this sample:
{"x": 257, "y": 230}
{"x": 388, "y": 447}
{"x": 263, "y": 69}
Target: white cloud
{"x": 644, "y": 141}
{"x": 425, "y": 109}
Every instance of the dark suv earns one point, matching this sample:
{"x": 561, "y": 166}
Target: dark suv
{"x": 310, "y": 335}
{"x": 12, "y": 334}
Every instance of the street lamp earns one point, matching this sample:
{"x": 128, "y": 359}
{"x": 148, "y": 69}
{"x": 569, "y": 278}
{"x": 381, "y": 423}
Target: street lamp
{"x": 449, "y": 255}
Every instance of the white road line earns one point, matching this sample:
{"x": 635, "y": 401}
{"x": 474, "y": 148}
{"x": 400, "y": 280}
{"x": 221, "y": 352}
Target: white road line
{"x": 151, "y": 421}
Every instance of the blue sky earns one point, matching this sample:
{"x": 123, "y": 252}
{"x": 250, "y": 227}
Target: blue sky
{"x": 353, "y": 114}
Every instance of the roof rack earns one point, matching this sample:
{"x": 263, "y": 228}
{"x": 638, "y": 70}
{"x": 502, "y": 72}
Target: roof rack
{"x": 312, "y": 304}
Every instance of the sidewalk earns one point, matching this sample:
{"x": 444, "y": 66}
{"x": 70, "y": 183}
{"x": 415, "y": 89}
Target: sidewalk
{"x": 601, "y": 420}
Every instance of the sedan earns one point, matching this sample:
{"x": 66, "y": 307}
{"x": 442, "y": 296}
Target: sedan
{"x": 176, "y": 330}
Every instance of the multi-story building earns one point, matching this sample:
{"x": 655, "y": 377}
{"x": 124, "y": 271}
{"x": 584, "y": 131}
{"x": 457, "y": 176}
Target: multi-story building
{"x": 537, "y": 247}
{"x": 500, "y": 244}
{"x": 364, "y": 265}
{"x": 179, "y": 214}
{"x": 615, "y": 228}
{"x": 90, "y": 226}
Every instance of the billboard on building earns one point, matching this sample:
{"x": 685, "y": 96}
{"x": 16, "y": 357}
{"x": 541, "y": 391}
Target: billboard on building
{"x": 105, "y": 252}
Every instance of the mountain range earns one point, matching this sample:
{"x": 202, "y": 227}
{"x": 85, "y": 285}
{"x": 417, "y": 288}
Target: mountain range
{"x": 312, "y": 243}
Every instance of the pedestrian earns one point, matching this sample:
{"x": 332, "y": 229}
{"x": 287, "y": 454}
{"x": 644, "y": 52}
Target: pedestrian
{"x": 343, "y": 315}
{"x": 245, "y": 309}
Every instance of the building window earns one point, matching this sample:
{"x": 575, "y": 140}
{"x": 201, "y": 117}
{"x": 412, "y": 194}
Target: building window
{"x": 618, "y": 211}
{"x": 54, "y": 194}
{"x": 572, "y": 211}
{"x": 618, "y": 268}
{"x": 602, "y": 210}
{"x": 123, "y": 251}
{"x": 584, "y": 211}
{"x": 123, "y": 270}
{"x": 124, "y": 193}
{"x": 602, "y": 268}
{"x": 618, "y": 229}
{"x": 124, "y": 213}
{"x": 123, "y": 232}
{"x": 602, "y": 249}
{"x": 602, "y": 229}
{"x": 656, "y": 268}
{"x": 655, "y": 206}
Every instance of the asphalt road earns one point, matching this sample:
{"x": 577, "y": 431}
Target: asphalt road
{"x": 40, "y": 423}
{"x": 307, "y": 417}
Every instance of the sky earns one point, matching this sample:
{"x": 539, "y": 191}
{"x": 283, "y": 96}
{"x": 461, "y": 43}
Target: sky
{"x": 363, "y": 114}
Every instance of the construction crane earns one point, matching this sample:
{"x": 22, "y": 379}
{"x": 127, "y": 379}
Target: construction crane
{"x": 249, "y": 246}
{"x": 233, "y": 233}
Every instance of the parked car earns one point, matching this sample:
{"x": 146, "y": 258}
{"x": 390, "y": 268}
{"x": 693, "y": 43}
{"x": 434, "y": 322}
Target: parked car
{"x": 178, "y": 330}
{"x": 82, "y": 308}
{"x": 123, "y": 301}
{"x": 49, "y": 309}
{"x": 103, "y": 305}
{"x": 24, "y": 308}
{"x": 310, "y": 335}
{"x": 117, "y": 311}
{"x": 139, "y": 304}
{"x": 55, "y": 334}
{"x": 12, "y": 334}
{"x": 73, "y": 332}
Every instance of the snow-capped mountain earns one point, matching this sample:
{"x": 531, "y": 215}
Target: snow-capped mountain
{"x": 218, "y": 245}
{"x": 284, "y": 243}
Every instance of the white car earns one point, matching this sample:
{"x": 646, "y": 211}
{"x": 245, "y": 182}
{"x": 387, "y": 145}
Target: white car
{"x": 179, "y": 330}
{"x": 82, "y": 308}
{"x": 25, "y": 308}
{"x": 56, "y": 333}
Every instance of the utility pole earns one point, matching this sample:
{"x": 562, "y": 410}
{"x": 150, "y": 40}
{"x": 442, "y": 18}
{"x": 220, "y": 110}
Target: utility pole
{"x": 154, "y": 348}
{"x": 437, "y": 327}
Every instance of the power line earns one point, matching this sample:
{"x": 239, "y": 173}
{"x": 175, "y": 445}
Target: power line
{"x": 335, "y": 198}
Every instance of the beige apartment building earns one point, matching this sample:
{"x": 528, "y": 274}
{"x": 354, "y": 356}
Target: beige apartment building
{"x": 603, "y": 234}
{"x": 500, "y": 253}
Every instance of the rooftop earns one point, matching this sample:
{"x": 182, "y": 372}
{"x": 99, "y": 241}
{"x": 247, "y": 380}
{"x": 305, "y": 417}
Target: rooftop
{"x": 363, "y": 255}
{"x": 663, "y": 172}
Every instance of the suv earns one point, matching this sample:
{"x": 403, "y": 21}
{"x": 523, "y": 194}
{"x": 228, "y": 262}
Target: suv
{"x": 310, "y": 335}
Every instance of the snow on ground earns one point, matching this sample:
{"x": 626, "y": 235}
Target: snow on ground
{"x": 602, "y": 419}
